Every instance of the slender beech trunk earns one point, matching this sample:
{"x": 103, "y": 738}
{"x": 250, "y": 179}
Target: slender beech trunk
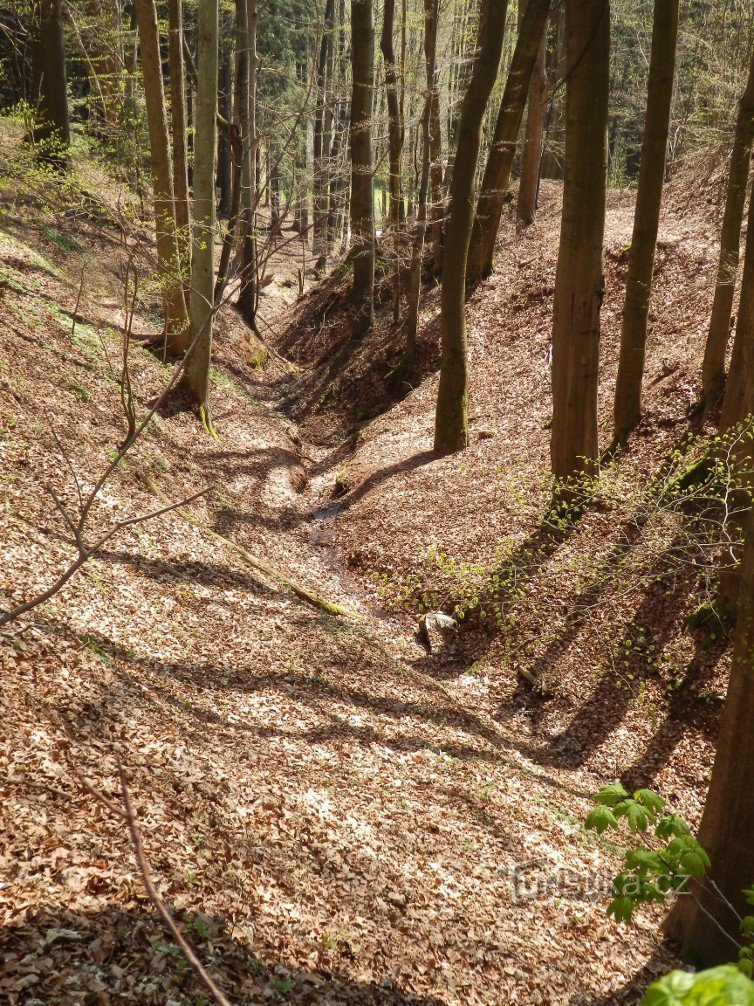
{"x": 395, "y": 125}
{"x": 224, "y": 153}
{"x": 395, "y": 149}
{"x": 728, "y": 820}
{"x": 196, "y": 373}
{"x": 713, "y": 370}
{"x": 417, "y": 248}
{"x": 528, "y": 186}
{"x": 247, "y": 295}
{"x": 177, "y": 335}
{"x": 437, "y": 208}
{"x": 500, "y": 160}
{"x": 579, "y": 282}
{"x": 320, "y": 147}
{"x": 654, "y": 146}
{"x": 239, "y": 145}
{"x": 49, "y": 90}
{"x": 362, "y": 202}
{"x": 179, "y": 129}
{"x": 451, "y": 417}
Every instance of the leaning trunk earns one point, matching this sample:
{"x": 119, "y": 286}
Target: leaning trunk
{"x": 451, "y": 417}
{"x": 579, "y": 283}
{"x": 500, "y": 160}
{"x": 713, "y": 370}
{"x": 728, "y": 819}
{"x": 174, "y": 307}
{"x": 646, "y": 220}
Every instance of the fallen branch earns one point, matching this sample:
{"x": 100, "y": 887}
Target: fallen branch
{"x": 127, "y": 815}
{"x": 301, "y": 592}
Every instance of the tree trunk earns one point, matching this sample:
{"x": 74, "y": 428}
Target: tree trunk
{"x": 451, "y": 417}
{"x": 395, "y": 126}
{"x": 362, "y": 201}
{"x": 321, "y": 148}
{"x": 579, "y": 282}
{"x": 196, "y": 373}
{"x": 179, "y": 130}
{"x": 247, "y": 295}
{"x": 224, "y": 153}
{"x": 177, "y": 335}
{"x": 49, "y": 90}
{"x": 437, "y": 209}
{"x": 417, "y": 248}
{"x": 500, "y": 161}
{"x": 528, "y": 186}
{"x": 646, "y": 220}
{"x": 728, "y": 819}
{"x": 713, "y": 370}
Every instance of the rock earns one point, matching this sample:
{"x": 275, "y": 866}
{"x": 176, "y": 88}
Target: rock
{"x": 485, "y": 434}
{"x": 437, "y": 630}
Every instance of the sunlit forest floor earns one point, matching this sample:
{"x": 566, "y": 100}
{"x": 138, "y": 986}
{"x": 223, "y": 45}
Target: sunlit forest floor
{"x": 334, "y": 814}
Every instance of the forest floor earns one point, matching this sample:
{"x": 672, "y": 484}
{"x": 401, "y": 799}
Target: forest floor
{"x": 334, "y": 814}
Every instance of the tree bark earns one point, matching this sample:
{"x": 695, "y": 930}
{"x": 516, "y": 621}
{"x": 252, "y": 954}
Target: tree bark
{"x": 713, "y": 370}
{"x": 362, "y": 201}
{"x": 177, "y": 336}
{"x": 49, "y": 91}
{"x": 500, "y": 160}
{"x": 528, "y": 186}
{"x": 451, "y": 417}
{"x": 247, "y": 295}
{"x": 728, "y": 820}
{"x": 417, "y": 246}
{"x": 196, "y": 372}
{"x": 320, "y": 244}
{"x": 395, "y": 126}
{"x": 179, "y": 128}
{"x": 579, "y": 282}
{"x": 654, "y": 146}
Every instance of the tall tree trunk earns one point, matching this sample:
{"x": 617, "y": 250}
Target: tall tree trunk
{"x": 362, "y": 201}
{"x": 177, "y": 336}
{"x": 451, "y": 417}
{"x": 196, "y": 373}
{"x": 395, "y": 149}
{"x": 579, "y": 282}
{"x": 500, "y": 160}
{"x": 179, "y": 129}
{"x": 321, "y": 148}
{"x": 437, "y": 208}
{"x": 417, "y": 247}
{"x": 49, "y": 91}
{"x": 646, "y": 219}
{"x": 528, "y": 186}
{"x": 728, "y": 820}
{"x": 713, "y": 370}
{"x": 395, "y": 125}
{"x": 247, "y": 294}
{"x": 224, "y": 153}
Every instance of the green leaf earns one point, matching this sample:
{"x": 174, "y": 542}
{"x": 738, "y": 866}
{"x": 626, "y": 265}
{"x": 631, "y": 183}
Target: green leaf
{"x": 608, "y": 796}
{"x": 600, "y": 819}
{"x": 621, "y": 909}
{"x": 672, "y": 824}
{"x": 693, "y": 864}
{"x": 651, "y": 800}
{"x": 722, "y": 986}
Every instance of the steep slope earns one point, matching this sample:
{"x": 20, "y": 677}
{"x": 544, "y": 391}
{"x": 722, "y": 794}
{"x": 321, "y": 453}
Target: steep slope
{"x": 333, "y": 816}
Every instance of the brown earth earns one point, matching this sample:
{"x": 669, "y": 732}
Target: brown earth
{"x": 333, "y": 814}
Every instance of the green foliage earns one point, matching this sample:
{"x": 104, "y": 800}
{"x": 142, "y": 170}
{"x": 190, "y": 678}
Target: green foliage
{"x": 651, "y": 871}
{"x": 721, "y": 986}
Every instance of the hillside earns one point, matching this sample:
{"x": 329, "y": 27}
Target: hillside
{"x": 335, "y": 815}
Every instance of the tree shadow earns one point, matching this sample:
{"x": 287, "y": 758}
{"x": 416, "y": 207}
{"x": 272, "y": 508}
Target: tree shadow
{"x": 57, "y": 954}
{"x": 632, "y": 990}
